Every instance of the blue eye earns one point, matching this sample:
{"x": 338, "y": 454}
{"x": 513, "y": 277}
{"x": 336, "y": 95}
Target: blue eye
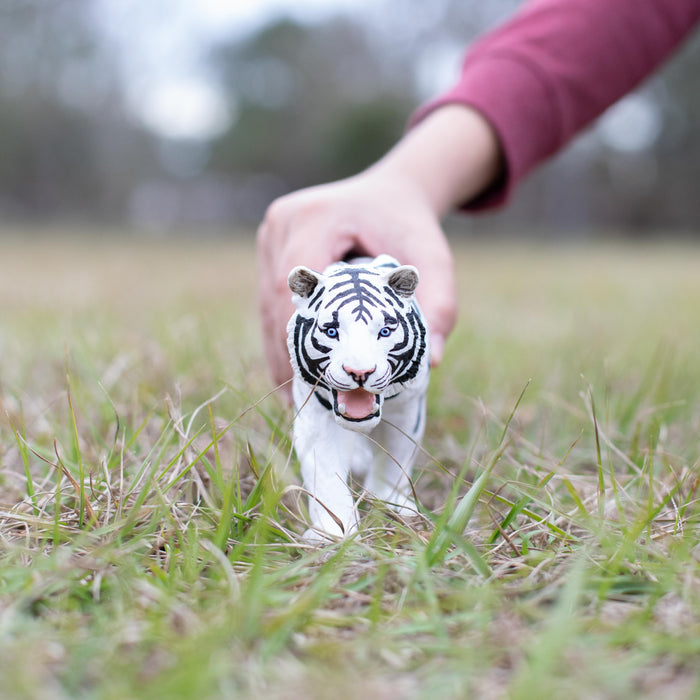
{"x": 331, "y": 332}
{"x": 385, "y": 332}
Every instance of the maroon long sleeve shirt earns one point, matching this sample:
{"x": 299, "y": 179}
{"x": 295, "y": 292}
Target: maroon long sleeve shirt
{"x": 555, "y": 66}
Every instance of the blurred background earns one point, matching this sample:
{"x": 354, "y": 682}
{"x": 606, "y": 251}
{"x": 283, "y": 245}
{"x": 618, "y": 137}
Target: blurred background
{"x": 184, "y": 115}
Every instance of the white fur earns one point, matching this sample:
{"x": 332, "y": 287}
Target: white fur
{"x": 382, "y": 450}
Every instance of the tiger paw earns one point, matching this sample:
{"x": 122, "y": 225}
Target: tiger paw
{"x": 317, "y": 536}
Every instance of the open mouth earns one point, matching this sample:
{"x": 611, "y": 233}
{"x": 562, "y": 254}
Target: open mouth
{"x": 356, "y": 405}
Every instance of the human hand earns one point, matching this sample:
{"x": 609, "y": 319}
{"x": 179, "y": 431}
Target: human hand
{"x": 393, "y": 207}
{"x": 369, "y": 214}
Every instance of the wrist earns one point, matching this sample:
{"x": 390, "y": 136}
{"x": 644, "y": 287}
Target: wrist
{"x": 449, "y": 158}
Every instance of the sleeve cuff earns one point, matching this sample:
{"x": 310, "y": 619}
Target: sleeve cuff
{"x": 510, "y": 95}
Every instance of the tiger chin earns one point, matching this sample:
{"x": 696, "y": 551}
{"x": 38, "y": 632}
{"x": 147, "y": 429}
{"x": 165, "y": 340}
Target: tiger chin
{"x": 358, "y": 345}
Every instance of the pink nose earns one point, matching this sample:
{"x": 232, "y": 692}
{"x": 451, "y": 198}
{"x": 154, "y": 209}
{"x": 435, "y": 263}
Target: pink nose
{"x": 359, "y": 375}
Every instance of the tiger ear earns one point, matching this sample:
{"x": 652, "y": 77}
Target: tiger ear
{"x": 403, "y": 280}
{"x": 303, "y": 281}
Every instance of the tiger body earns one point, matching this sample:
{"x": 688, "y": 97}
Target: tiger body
{"x": 359, "y": 349}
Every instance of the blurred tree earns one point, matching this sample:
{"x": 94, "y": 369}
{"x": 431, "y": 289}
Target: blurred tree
{"x": 311, "y": 103}
{"x": 360, "y": 133}
{"x": 679, "y": 143}
{"x": 310, "y": 100}
{"x": 62, "y": 113}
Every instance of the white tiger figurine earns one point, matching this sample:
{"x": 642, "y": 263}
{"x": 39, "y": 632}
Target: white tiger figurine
{"x": 359, "y": 349}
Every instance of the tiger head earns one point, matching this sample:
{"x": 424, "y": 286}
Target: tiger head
{"x": 357, "y": 336}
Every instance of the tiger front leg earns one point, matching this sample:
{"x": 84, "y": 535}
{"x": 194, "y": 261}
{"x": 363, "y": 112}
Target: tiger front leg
{"x": 324, "y": 450}
{"x": 331, "y": 505}
{"x": 399, "y": 437}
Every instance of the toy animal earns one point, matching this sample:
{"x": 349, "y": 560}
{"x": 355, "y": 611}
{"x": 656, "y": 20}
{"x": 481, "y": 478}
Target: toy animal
{"x": 359, "y": 349}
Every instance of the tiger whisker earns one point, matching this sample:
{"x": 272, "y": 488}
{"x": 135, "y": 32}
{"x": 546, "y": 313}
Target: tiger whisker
{"x": 334, "y": 382}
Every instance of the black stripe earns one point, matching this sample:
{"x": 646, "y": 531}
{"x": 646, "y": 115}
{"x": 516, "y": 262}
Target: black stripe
{"x": 318, "y": 295}
{"x": 388, "y": 290}
{"x": 323, "y": 402}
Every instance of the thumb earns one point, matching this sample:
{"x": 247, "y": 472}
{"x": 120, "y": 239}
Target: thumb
{"x": 437, "y": 347}
{"x": 438, "y": 300}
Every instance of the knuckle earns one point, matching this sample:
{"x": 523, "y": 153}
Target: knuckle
{"x": 262, "y": 239}
{"x": 275, "y": 214}
{"x": 281, "y": 287}
{"x": 271, "y": 224}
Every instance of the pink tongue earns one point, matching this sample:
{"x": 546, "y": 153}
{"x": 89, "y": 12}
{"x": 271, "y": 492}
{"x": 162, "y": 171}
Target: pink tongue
{"x": 358, "y": 403}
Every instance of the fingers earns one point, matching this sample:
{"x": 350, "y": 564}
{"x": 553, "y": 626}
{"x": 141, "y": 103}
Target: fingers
{"x": 437, "y": 349}
{"x": 269, "y": 307}
{"x": 438, "y": 300}
{"x": 425, "y": 246}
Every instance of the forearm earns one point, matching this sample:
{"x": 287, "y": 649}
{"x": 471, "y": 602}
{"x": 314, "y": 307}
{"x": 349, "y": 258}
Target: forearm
{"x": 451, "y": 157}
{"x": 544, "y": 75}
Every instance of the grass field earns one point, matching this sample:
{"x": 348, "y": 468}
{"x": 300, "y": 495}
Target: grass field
{"x": 150, "y": 511}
